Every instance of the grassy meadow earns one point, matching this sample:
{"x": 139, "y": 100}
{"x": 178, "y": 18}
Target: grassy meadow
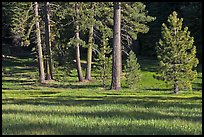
{"x": 65, "y": 106}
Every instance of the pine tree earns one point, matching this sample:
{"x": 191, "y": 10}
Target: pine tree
{"x": 104, "y": 61}
{"x": 177, "y": 54}
{"x": 117, "y": 62}
{"x": 90, "y": 14}
{"x": 78, "y": 60}
{"x": 103, "y": 33}
{"x": 94, "y": 16}
{"x": 75, "y": 11}
{"x": 39, "y": 46}
{"x": 133, "y": 20}
{"x": 132, "y": 71}
{"x": 49, "y": 64}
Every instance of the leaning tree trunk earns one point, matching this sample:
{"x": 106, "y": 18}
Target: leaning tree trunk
{"x": 89, "y": 54}
{"x": 49, "y": 75}
{"x": 116, "y": 68}
{"x": 78, "y": 60}
{"x": 39, "y": 47}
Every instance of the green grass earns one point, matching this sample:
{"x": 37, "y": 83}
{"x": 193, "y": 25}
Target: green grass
{"x": 68, "y": 107}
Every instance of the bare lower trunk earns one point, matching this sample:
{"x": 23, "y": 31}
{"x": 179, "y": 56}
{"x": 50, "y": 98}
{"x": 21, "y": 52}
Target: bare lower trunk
{"x": 121, "y": 56}
{"x": 116, "y": 68}
{"x": 48, "y": 75}
{"x": 176, "y": 89}
{"x": 78, "y": 62}
{"x": 89, "y": 55}
{"x": 39, "y": 47}
{"x": 46, "y": 63}
{"x": 79, "y": 69}
{"x": 48, "y": 43}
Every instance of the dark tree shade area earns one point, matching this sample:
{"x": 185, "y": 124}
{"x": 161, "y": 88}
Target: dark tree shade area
{"x": 191, "y": 12}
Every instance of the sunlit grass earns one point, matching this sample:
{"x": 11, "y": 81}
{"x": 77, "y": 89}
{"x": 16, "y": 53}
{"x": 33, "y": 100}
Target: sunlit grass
{"x": 68, "y": 107}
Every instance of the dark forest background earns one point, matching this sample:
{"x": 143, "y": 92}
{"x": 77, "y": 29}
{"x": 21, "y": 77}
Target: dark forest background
{"x": 145, "y": 44}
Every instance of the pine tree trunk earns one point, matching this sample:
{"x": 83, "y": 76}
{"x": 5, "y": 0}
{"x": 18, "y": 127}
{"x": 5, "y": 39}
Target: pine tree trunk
{"x": 78, "y": 60}
{"x": 45, "y": 66}
{"x": 121, "y": 56}
{"x": 116, "y": 68}
{"x": 103, "y": 51}
{"x": 176, "y": 89}
{"x": 48, "y": 43}
{"x": 89, "y": 54}
{"x": 39, "y": 47}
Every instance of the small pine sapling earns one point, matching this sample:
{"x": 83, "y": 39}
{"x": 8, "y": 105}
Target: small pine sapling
{"x": 132, "y": 71}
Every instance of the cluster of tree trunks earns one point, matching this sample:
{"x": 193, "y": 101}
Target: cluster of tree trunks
{"x": 48, "y": 61}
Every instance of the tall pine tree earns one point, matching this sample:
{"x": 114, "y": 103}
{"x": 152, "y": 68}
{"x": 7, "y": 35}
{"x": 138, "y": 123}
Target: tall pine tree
{"x": 39, "y": 46}
{"x": 177, "y": 54}
{"x": 48, "y": 63}
{"x": 116, "y": 66}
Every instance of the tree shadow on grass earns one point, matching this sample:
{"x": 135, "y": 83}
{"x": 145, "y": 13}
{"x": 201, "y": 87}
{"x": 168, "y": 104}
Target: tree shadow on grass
{"x": 158, "y": 89}
{"x": 25, "y": 84}
{"x": 106, "y": 100}
{"x": 134, "y": 115}
{"x": 19, "y": 72}
{"x": 171, "y": 90}
{"x": 12, "y": 64}
{"x": 69, "y": 128}
{"x": 91, "y": 101}
{"x": 198, "y": 86}
{"x": 18, "y": 81}
{"x": 73, "y": 86}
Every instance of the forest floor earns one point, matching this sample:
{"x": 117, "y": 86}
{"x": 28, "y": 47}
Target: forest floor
{"x": 66, "y": 106}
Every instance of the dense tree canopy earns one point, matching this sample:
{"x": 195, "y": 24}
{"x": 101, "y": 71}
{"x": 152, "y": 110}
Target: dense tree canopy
{"x": 75, "y": 31}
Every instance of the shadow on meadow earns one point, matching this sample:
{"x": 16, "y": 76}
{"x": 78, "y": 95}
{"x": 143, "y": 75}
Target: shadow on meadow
{"x": 92, "y": 101}
{"x": 198, "y": 86}
{"x": 158, "y": 89}
{"x": 73, "y": 86}
{"x": 18, "y": 62}
{"x": 150, "y": 101}
{"x": 70, "y": 129}
{"x": 134, "y": 114}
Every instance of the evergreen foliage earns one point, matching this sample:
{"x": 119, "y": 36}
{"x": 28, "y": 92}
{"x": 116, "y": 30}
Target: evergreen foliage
{"x": 22, "y": 22}
{"x": 134, "y": 19}
{"x": 132, "y": 71}
{"x": 177, "y": 54}
{"x": 192, "y": 14}
{"x": 104, "y": 60}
